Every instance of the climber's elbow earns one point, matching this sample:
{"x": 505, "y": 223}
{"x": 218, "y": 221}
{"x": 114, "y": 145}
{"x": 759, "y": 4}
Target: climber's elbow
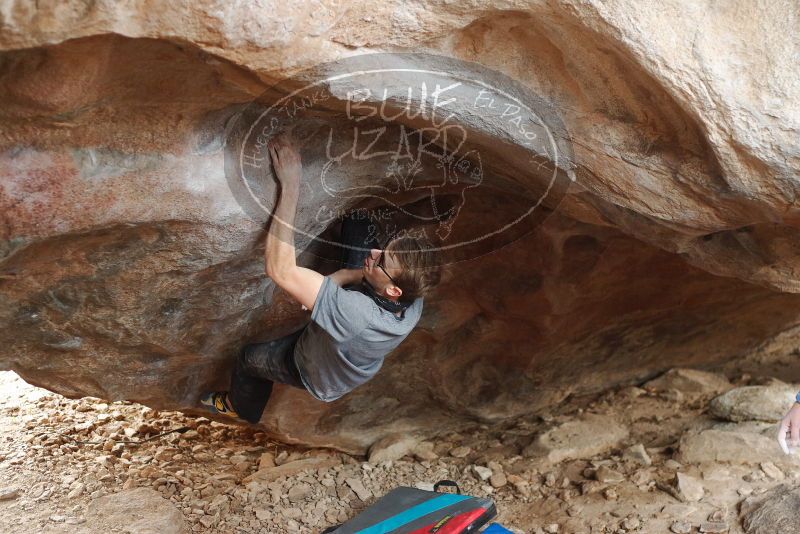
{"x": 277, "y": 272}
{"x": 279, "y": 265}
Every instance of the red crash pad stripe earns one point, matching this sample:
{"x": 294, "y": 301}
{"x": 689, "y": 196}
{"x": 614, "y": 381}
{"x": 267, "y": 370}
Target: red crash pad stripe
{"x": 453, "y": 525}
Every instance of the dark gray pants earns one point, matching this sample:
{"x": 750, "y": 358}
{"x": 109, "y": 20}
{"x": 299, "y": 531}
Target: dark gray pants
{"x": 257, "y": 367}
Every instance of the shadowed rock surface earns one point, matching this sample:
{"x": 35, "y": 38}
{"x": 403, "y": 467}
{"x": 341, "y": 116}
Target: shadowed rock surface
{"x": 773, "y": 511}
{"x": 129, "y": 271}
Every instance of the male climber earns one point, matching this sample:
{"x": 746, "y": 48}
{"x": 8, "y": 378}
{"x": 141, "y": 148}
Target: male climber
{"x": 352, "y": 328}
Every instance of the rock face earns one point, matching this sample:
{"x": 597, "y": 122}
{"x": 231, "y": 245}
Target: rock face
{"x": 128, "y": 270}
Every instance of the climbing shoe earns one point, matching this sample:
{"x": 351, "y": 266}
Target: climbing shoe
{"x": 217, "y": 402}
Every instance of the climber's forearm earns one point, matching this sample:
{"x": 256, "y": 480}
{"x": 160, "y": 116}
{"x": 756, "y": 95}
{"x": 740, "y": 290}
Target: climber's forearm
{"x": 279, "y": 253}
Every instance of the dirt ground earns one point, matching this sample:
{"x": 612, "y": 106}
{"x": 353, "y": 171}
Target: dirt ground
{"x": 570, "y": 471}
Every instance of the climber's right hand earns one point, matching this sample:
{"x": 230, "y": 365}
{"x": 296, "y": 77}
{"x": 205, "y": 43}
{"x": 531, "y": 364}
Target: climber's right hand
{"x": 790, "y": 426}
{"x": 285, "y": 160}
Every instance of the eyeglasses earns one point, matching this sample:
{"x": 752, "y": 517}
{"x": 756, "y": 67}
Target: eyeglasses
{"x": 380, "y": 263}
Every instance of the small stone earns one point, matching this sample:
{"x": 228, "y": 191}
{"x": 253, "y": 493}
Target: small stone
{"x": 77, "y": 491}
{"x": 638, "y": 454}
{"x": 266, "y": 461}
{"x": 632, "y": 392}
{"x": 218, "y": 504}
{"x": 680, "y": 511}
{"x": 552, "y": 528}
{"x": 712, "y": 527}
{"x": 190, "y": 434}
{"x": 498, "y": 480}
{"x": 689, "y": 488}
{"x": 57, "y": 518}
{"x": 755, "y": 476}
{"x": 460, "y": 452}
{"x": 238, "y": 458}
{"x": 672, "y": 464}
{"x": 292, "y": 513}
{"x": 299, "y": 492}
{"x": 608, "y": 476}
{"x": 392, "y": 447}
{"x": 424, "y": 451}
{"x": 291, "y": 468}
{"x": 358, "y": 488}
{"x": 263, "y": 513}
{"x": 717, "y": 473}
{"x": 483, "y": 473}
{"x": 681, "y": 527}
{"x": 717, "y": 516}
{"x": 591, "y": 486}
{"x": 631, "y": 523}
{"x": 673, "y": 395}
{"x": 772, "y": 471}
{"x": 8, "y": 493}
{"x": 641, "y": 477}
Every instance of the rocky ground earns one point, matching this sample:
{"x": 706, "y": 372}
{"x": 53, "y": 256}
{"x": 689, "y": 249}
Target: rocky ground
{"x": 686, "y": 452}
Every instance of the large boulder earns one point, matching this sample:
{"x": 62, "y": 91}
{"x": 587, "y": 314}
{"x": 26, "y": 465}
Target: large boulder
{"x": 736, "y": 443}
{"x": 581, "y": 438}
{"x": 754, "y": 403}
{"x": 691, "y": 383}
{"x": 772, "y": 511}
{"x": 138, "y": 511}
{"x": 130, "y": 269}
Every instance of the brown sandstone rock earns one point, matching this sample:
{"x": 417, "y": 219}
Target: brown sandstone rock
{"x": 772, "y": 511}
{"x": 738, "y": 444}
{"x": 129, "y": 271}
{"x": 754, "y": 403}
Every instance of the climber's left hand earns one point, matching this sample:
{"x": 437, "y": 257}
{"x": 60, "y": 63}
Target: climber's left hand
{"x": 285, "y": 160}
{"x": 790, "y": 427}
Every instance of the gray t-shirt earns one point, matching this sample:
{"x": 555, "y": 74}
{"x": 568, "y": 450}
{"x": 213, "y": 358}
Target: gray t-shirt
{"x": 347, "y": 339}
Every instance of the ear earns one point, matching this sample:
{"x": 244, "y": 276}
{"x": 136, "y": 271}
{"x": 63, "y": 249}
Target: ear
{"x": 394, "y": 291}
